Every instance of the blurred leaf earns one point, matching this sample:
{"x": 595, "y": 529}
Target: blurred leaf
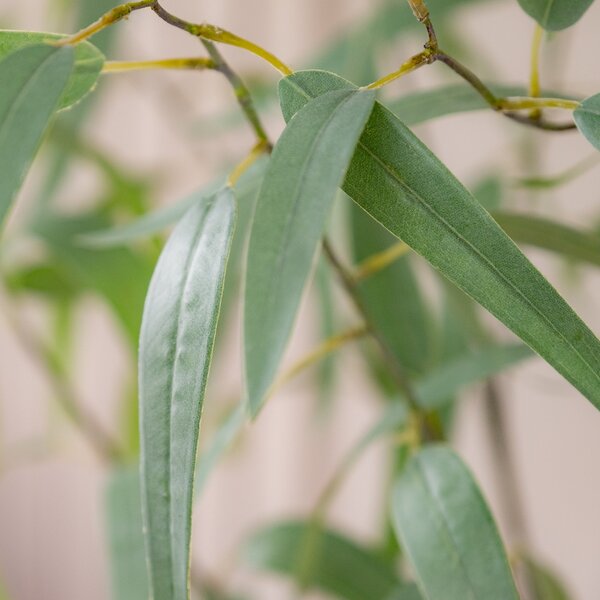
{"x": 178, "y": 328}
{"x": 536, "y": 231}
{"x": 32, "y": 80}
{"x": 449, "y": 377}
{"x": 447, "y": 531}
{"x": 541, "y": 582}
{"x": 587, "y": 118}
{"x": 125, "y": 535}
{"x": 88, "y": 61}
{"x": 397, "y": 180}
{"x": 341, "y": 566}
{"x": 118, "y": 275}
{"x": 554, "y": 15}
{"x": 406, "y": 592}
{"x": 489, "y": 192}
{"x": 157, "y": 221}
{"x": 327, "y": 329}
{"x": 392, "y": 297}
{"x": 419, "y": 107}
{"x": 46, "y": 279}
{"x": 308, "y": 164}
{"x": 221, "y": 441}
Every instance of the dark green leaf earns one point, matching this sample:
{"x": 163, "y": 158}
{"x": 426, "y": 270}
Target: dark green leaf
{"x": 176, "y": 341}
{"x": 341, "y": 566}
{"x": 587, "y": 118}
{"x": 397, "y": 180}
{"x": 554, "y": 15}
{"x": 125, "y": 535}
{"x": 536, "y": 231}
{"x": 308, "y": 164}
{"x": 88, "y": 61}
{"x": 447, "y": 531}
{"x": 32, "y": 80}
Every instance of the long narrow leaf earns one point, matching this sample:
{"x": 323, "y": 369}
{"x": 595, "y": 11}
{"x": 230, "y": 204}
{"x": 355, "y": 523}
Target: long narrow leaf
{"x": 32, "y": 81}
{"x": 543, "y": 233}
{"x": 176, "y": 341}
{"x": 125, "y": 535}
{"x": 447, "y": 531}
{"x": 308, "y": 164}
{"x": 397, "y": 180}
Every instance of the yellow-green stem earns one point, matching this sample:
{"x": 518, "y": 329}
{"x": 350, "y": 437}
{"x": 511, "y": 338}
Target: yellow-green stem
{"x": 412, "y": 64}
{"x": 110, "y": 18}
{"x": 259, "y": 149}
{"x": 537, "y": 103}
{"x": 122, "y": 66}
{"x": 381, "y": 260}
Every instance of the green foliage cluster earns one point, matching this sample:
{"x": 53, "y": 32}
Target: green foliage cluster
{"x": 341, "y": 144}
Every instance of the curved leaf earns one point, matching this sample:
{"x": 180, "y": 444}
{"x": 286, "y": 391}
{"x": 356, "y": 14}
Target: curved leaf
{"x": 125, "y": 535}
{"x": 176, "y": 341}
{"x": 395, "y": 178}
{"x": 554, "y": 15}
{"x": 540, "y": 232}
{"x": 341, "y": 566}
{"x": 307, "y": 166}
{"x": 419, "y": 107}
{"x": 88, "y": 61}
{"x": 451, "y": 376}
{"x": 155, "y": 222}
{"x": 447, "y": 531}
{"x": 587, "y": 118}
{"x": 32, "y": 80}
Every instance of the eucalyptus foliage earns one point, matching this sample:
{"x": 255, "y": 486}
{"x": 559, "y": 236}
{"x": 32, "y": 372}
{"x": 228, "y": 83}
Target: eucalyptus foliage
{"x": 414, "y": 251}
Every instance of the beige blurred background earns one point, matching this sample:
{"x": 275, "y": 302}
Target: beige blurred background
{"x": 52, "y": 543}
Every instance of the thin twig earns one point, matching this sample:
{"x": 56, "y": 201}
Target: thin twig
{"x": 93, "y": 431}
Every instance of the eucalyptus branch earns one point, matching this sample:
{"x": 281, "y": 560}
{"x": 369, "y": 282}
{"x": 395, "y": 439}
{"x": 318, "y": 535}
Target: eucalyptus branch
{"x": 216, "y": 34}
{"x": 394, "y": 368}
{"x": 110, "y": 18}
{"x": 241, "y": 91}
{"x": 197, "y": 64}
{"x": 259, "y": 149}
{"x": 66, "y": 396}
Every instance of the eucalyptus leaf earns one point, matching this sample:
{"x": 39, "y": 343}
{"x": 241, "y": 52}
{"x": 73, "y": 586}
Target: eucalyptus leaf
{"x": 307, "y": 166}
{"x": 447, "y": 531}
{"x": 157, "y": 221}
{"x": 450, "y": 377}
{"x": 88, "y": 61}
{"x": 178, "y": 330}
{"x": 125, "y": 535}
{"x": 395, "y": 178}
{"x": 342, "y": 567}
{"x": 587, "y": 118}
{"x": 543, "y": 233}
{"x": 32, "y": 81}
{"x": 554, "y": 15}
{"x": 419, "y": 107}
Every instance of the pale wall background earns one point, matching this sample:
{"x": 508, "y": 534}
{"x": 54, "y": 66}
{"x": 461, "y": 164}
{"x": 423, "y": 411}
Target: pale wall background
{"x": 51, "y": 532}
